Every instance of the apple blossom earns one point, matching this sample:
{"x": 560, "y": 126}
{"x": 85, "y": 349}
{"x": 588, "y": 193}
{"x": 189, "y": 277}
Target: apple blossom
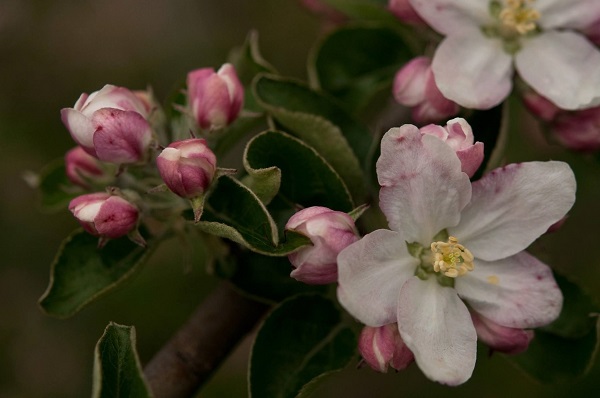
{"x": 414, "y": 86}
{"x": 110, "y": 124}
{"x": 215, "y": 99}
{"x": 330, "y": 231}
{"x": 459, "y": 136}
{"x": 382, "y": 346}
{"x": 187, "y": 167}
{"x": 450, "y": 241}
{"x": 473, "y": 65}
{"x": 81, "y": 167}
{"x": 104, "y": 215}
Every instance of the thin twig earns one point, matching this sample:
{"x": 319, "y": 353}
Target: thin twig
{"x": 188, "y": 360}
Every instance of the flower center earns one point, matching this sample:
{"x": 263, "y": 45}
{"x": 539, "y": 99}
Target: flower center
{"x": 451, "y": 258}
{"x": 519, "y": 16}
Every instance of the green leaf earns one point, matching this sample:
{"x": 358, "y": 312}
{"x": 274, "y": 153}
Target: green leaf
{"x": 551, "y": 358}
{"x": 82, "y": 272}
{"x": 306, "y": 178}
{"x": 234, "y": 212}
{"x": 579, "y": 312}
{"x": 268, "y": 278}
{"x": 248, "y": 62}
{"x": 56, "y": 191}
{"x": 356, "y": 62}
{"x": 320, "y": 122}
{"x": 301, "y": 340}
{"x": 117, "y": 368}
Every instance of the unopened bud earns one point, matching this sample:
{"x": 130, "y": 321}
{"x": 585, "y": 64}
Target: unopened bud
{"x": 330, "y": 232}
{"x": 501, "y": 338}
{"x": 382, "y": 347}
{"x": 104, "y": 215}
{"x": 82, "y": 167}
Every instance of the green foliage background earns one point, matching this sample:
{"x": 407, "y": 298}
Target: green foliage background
{"x": 53, "y": 51}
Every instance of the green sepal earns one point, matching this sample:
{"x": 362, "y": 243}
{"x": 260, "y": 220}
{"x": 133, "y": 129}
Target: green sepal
{"x": 117, "y": 368}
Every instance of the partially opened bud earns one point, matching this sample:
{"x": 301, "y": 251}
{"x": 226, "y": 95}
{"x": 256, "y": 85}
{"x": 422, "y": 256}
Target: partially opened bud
{"x": 110, "y": 125}
{"x": 414, "y": 86}
{"x": 501, "y": 338}
{"x": 187, "y": 167}
{"x": 81, "y": 167}
{"x": 330, "y": 232}
{"x": 215, "y": 99}
{"x": 104, "y": 215}
{"x": 459, "y": 136}
{"x": 405, "y": 12}
{"x": 382, "y": 347}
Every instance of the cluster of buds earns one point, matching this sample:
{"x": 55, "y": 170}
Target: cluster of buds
{"x": 577, "y": 130}
{"x": 415, "y": 87}
{"x": 330, "y": 232}
{"x": 113, "y": 125}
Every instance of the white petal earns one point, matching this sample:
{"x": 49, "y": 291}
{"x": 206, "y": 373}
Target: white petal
{"x": 574, "y": 14}
{"x": 371, "y": 273}
{"x": 423, "y": 188}
{"x": 512, "y": 206}
{"x": 80, "y": 127}
{"x": 448, "y": 16}
{"x": 516, "y": 292}
{"x": 437, "y": 327}
{"x": 473, "y": 70}
{"x": 563, "y": 67}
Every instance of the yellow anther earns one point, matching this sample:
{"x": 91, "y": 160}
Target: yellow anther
{"x": 519, "y": 16}
{"x": 451, "y": 258}
{"x": 493, "y": 279}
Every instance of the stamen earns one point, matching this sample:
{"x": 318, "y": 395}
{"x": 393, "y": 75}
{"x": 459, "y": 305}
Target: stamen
{"x": 518, "y": 16}
{"x": 451, "y": 258}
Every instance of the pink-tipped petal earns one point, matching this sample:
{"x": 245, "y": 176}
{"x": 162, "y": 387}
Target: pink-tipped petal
{"x": 512, "y": 206}
{"x": 564, "y": 67}
{"x": 371, "y": 272}
{"x": 473, "y": 70}
{"x": 116, "y": 218}
{"x": 471, "y": 158}
{"x": 423, "y": 187}
{"x": 516, "y": 292}
{"x": 436, "y": 325}
{"x": 450, "y": 16}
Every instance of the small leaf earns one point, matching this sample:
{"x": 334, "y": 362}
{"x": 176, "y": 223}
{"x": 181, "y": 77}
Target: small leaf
{"x": 117, "y": 368}
{"x": 234, "y": 212}
{"x": 268, "y": 278}
{"x": 306, "y": 178}
{"x": 551, "y": 358}
{"x": 356, "y": 62}
{"x": 82, "y": 272}
{"x": 301, "y": 340}
{"x": 56, "y": 191}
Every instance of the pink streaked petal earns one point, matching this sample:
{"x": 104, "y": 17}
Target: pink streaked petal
{"x": 116, "y": 217}
{"x": 450, "y": 16}
{"x": 516, "y": 292}
{"x": 120, "y": 136}
{"x": 573, "y": 14}
{"x": 513, "y": 205}
{"x": 423, "y": 187}
{"x": 473, "y": 70}
{"x": 500, "y": 338}
{"x": 436, "y": 325}
{"x": 80, "y": 127}
{"x": 471, "y": 158}
{"x": 371, "y": 273}
{"x": 563, "y": 67}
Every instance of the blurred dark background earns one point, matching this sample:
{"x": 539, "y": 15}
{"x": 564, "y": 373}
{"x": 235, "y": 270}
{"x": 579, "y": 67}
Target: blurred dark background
{"x": 51, "y": 52}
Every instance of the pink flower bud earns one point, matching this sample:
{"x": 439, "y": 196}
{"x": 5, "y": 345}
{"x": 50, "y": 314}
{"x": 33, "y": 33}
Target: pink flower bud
{"x": 459, "y": 136}
{"x": 81, "y": 167}
{"x": 501, "y": 338}
{"x": 187, "y": 167}
{"x": 540, "y": 106}
{"x": 405, "y": 12}
{"x": 578, "y": 130}
{"x": 214, "y": 98}
{"x": 592, "y": 32}
{"x": 382, "y": 347}
{"x": 414, "y": 86}
{"x": 110, "y": 124}
{"x": 324, "y": 10}
{"x": 330, "y": 231}
{"x": 104, "y": 215}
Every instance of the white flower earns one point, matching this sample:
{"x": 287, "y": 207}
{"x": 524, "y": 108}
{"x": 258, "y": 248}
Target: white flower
{"x": 479, "y": 233}
{"x": 473, "y": 65}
